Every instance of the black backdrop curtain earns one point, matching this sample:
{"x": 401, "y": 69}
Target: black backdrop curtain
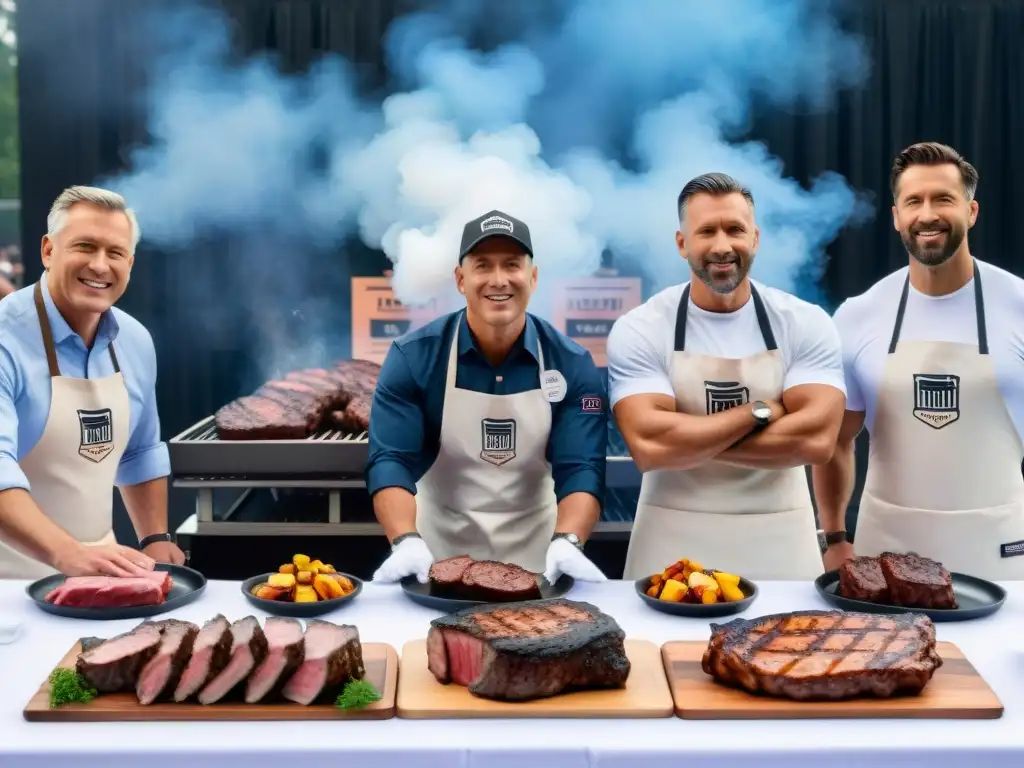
{"x": 950, "y": 71}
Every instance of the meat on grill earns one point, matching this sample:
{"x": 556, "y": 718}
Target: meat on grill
{"x": 487, "y": 580}
{"x": 528, "y": 650}
{"x": 114, "y": 665}
{"x": 210, "y": 654}
{"x": 160, "y": 675}
{"x": 248, "y": 649}
{"x": 111, "y": 591}
{"x": 333, "y": 656}
{"x": 824, "y": 655}
{"x": 285, "y": 652}
{"x": 303, "y": 401}
{"x": 905, "y": 580}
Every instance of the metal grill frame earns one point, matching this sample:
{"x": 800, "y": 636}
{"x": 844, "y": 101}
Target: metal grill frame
{"x": 330, "y": 454}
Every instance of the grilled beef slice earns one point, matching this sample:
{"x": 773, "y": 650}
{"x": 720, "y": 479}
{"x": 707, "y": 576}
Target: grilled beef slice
{"x": 211, "y": 652}
{"x": 248, "y": 649}
{"x": 490, "y": 580}
{"x": 259, "y": 418}
{"x": 160, "y": 675}
{"x": 114, "y": 666}
{"x": 917, "y": 582}
{"x": 528, "y": 650}
{"x": 333, "y": 655}
{"x": 824, "y": 655}
{"x": 285, "y": 652}
{"x": 446, "y": 575}
{"x": 862, "y": 579}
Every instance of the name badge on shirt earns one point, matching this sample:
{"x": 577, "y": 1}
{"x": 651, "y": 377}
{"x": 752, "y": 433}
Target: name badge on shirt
{"x": 552, "y": 383}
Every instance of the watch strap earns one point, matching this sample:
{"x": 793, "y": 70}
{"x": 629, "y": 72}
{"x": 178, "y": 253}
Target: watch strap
{"x": 399, "y": 539}
{"x": 572, "y": 538}
{"x": 833, "y": 537}
{"x": 153, "y": 538}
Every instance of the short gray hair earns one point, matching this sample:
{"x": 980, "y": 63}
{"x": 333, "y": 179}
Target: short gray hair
{"x": 95, "y": 195}
{"x": 715, "y": 184}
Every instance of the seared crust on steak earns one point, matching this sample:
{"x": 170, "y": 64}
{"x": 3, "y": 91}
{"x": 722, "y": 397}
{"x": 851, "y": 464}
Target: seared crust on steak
{"x": 824, "y": 655}
{"x": 897, "y": 579}
{"x": 862, "y": 579}
{"x": 485, "y": 580}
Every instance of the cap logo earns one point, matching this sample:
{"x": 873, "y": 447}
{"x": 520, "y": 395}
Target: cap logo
{"x": 496, "y": 222}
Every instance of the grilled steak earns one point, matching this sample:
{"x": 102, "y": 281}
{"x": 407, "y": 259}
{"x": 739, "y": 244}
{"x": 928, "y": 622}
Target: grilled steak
{"x": 211, "y": 652}
{"x": 486, "y": 580}
{"x": 248, "y": 649}
{"x": 897, "y": 579}
{"x": 917, "y": 582}
{"x": 862, "y": 579}
{"x": 824, "y": 655}
{"x": 293, "y": 407}
{"x": 111, "y": 591}
{"x": 88, "y": 643}
{"x": 285, "y": 652}
{"x": 529, "y": 650}
{"x": 161, "y": 673}
{"x": 333, "y": 656}
{"x": 114, "y": 665}
{"x": 446, "y": 575}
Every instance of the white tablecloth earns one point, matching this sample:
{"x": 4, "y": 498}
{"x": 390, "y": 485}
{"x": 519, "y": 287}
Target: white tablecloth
{"x": 994, "y": 645}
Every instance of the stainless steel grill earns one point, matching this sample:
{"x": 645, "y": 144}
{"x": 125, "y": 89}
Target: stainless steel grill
{"x": 197, "y": 453}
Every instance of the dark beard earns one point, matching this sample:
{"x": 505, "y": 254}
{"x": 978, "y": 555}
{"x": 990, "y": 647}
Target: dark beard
{"x": 721, "y": 285}
{"x": 933, "y": 256}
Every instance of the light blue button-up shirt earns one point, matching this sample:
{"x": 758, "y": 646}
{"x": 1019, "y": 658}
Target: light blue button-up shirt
{"x": 25, "y": 384}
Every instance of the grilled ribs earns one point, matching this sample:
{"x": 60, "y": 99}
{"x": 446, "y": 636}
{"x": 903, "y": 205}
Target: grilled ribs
{"x": 528, "y": 650}
{"x": 824, "y": 655}
{"x": 293, "y": 407}
{"x": 908, "y": 580}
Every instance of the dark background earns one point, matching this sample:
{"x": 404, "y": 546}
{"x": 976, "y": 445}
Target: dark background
{"x": 950, "y": 71}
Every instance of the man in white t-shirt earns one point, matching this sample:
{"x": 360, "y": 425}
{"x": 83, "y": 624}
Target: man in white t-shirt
{"x": 724, "y": 389}
{"x": 935, "y": 371}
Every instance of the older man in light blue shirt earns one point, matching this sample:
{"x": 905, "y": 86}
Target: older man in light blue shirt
{"x": 78, "y": 408}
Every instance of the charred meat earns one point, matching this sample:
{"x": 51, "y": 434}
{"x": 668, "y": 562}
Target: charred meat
{"x": 905, "y": 580}
{"x": 160, "y": 675}
{"x": 486, "y": 580}
{"x": 114, "y": 665}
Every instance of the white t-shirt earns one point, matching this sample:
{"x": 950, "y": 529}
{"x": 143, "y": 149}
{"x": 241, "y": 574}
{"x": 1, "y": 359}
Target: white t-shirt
{"x": 642, "y": 341}
{"x": 865, "y": 324}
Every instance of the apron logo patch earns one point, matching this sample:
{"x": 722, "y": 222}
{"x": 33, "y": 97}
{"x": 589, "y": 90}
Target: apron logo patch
{"x": 591, "y": 404}
{"x": 499, "y": 441}
{"x": 723, "y": 395}
{"x": 1013, "y": 549}
{"x": 936, "y": 399}
{"x": 97, "y": 434}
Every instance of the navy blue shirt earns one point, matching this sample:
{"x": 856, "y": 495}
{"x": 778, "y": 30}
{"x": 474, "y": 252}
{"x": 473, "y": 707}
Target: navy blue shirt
{"x": 405, "y": 426}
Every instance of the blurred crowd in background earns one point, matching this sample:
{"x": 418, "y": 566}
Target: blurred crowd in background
{"x": 12, "y": 270}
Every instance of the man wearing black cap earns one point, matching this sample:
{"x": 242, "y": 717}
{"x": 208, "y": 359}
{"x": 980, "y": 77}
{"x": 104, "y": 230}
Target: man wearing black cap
{"x": 489, "y": 434}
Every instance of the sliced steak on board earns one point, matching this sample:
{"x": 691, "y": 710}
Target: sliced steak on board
{"x": 114, "y": 665}
{"x": 528, "y": 650}
{"x": 248, "y": 649}
{"x": 285, "y": 652}
{"x": 211, "y": 652}
{"x": 160, "y": 675}
{"x": 333, "y": 656}
{"x": 824, "y": 655}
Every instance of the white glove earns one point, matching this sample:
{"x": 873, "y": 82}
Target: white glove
{"x": 411, "y": 556}
{"x": 565, "y": 558}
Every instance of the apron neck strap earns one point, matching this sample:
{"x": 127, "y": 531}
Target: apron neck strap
{"x": 762, "y": 320}
{"x": 48, "y": 345}
{"x": 979, "y": 312}
{"x": 453, "y": 353}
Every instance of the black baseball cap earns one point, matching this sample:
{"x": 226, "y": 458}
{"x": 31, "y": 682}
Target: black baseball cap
{"x": 494, "y": 224}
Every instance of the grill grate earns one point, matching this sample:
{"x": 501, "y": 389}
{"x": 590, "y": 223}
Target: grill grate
{"x": 206, "y": 431}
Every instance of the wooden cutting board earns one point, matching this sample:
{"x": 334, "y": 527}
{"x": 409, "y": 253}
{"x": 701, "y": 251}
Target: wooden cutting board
{"x": 646, "y": 694}
{"x": 380, "y": 660}
{"x": 955, "y": 691}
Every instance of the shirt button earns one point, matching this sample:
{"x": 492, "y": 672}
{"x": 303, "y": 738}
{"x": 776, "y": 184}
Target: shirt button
{"x": 498, "y": 378}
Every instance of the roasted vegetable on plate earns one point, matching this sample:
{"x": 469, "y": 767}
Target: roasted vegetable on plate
{"x": 303, "y": 581}
{"x": 687, "y": 587}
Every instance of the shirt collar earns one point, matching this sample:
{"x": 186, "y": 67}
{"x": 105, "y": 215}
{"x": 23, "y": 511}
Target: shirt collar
{"x": 107, "y": 329}
{"x": 527, "y": 340}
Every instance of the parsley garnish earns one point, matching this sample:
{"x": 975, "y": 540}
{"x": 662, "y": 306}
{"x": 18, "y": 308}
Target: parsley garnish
{"x": 67, "y": 687}
{"x": 357, "y": 694}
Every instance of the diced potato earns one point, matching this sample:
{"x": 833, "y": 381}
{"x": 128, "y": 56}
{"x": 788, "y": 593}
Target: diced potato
{"x": 731, "y": 594}
{"x": 653, "y": 590}
{"x": 304, "y": 593}
{"x": 699, "y": 579}
{"x": 656, "y": 579}
{"x": 304, "y": 577}
{"x": 316, "y": 566}
{"x": 300, "y": 561}
{"x": 346, "y": 585}
{"x": 270, "y": 592}
{"x": 695, "y": 566}
{"x": 285, "y": 580}
{"x": 327, "y": 568}
{"x": 673, "y": 592}
{"x": 287, "y": 568}
{"x": 327, "y": 588}
{"x": 709, "y": 596}
{"x": 726, "y": 578}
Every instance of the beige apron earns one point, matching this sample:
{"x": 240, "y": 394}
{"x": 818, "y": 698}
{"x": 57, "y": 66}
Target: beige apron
{"x": 758, "y": 523}
{"x": 944, "y": 467}
{"x": 490, "y": 493}
{"x": 71, "y": 470}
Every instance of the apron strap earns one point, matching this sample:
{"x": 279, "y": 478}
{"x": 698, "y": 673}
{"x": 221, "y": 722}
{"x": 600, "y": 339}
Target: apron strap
{"x": 453, "y": 357}
{"x": 51, "y": 350}
{"x": 979, "y": 311}
{"x": 762, "y": 320}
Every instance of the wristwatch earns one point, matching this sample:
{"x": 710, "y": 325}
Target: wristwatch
{"x": 154, "y": 538}
{"x": 399, "y": 539}
{"x": 762, "y": 413}
{"x": 572, "y": 538}
{"x": 827, "y": 539}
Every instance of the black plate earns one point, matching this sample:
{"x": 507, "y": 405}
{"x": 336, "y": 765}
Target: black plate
{"x": 422, "y": 594}
{"x": 976, "y": 598}
{"x": 298, "y": 610}
{"x": 187, "y": 585}
{"x": 698, "y": 610}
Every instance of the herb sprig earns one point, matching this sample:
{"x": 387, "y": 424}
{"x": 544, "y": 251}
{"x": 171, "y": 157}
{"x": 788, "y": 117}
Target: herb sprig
{"x": 68, "y": 687}
{"x": 357, "y": 694}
